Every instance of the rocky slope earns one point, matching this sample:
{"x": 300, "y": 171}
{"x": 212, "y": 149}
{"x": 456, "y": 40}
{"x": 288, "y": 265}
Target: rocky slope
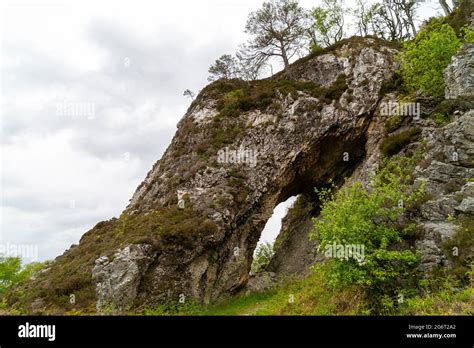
{"x": 191, "y": 227}
{"x": 447, "y": 166}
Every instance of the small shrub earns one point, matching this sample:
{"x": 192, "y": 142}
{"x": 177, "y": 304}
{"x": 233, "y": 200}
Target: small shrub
{"x": 395, "y": 84}
{"x": 441, "y": 296}
{"x": 393, "y": 123}
{"x": 460, "y": 251}
{"x": 394, "y": 143}
{"x": 424, "y": 59}
{"x": 440, "y": 118}
{"x": 461, "y": 16}
{"x": 337, "y": 88}
{"x": 453, "y": 185}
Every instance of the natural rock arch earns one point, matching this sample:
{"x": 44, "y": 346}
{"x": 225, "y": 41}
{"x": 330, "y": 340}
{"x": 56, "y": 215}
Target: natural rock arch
{"x": 311, "y": 132}
{"x": 191, "y": 227}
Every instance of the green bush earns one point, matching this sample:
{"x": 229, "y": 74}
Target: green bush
{"x": 459, "y": 250}
{"x": 261, "y": 94}
{"x": 12, "y": 272}
{"x": 72, "y": 271}
{"x": 366, "y": 217}
{"x": 461, "y": 16}
{"x": 393, "y": 123}
{"x": 441, "y": 119}
{"x": 424, "y": 59}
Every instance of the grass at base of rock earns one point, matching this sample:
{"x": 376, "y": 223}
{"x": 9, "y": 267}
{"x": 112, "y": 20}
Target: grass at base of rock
{"x": 307, "y": 296}
{"x": 447, "y": 300}
{"x": 311, "y": 296}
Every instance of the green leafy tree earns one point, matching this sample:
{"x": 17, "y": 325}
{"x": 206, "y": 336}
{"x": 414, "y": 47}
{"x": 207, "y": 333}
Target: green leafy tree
{"x": 369, "y": 217}
{"x": 424, "y": 59}
{"x": 226, "y": 66}
{"x": 467, "y": 35}
{"x": 10, "y": 268}
{"x": 362, "y": 17}
{"x": 328, "y": 26}
{"x": 12, "y": 272}
{"x": 262, "y": 257}
{"x": 389, "y": 19}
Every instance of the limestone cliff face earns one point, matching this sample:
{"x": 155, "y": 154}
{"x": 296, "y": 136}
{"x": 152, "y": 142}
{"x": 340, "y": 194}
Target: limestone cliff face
{"x": 191, "y": 227}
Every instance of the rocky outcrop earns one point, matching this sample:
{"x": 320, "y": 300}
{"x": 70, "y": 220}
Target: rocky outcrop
{"x": 192, "y": 225}
{"x": 118, "y": 277}
{"x": 261, "y": 282}
{"x": 447, "y": 167}
{"x": 459, "y": 76}
{"x": 295, "y": 253}
{"x": 311, "y": 130}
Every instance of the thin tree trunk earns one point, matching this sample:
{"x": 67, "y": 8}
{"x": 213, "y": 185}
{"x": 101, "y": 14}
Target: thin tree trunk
{"x": 284, "y": 56}
{"x": 445, "y": 6}
{"x": 413, "y": 27}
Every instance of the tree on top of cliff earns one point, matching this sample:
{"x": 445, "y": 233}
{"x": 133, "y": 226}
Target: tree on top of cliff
{"x": 328, "y": 26}
{"x": 389, "y": 20}
{"x": 226, "y": 66}
{"x": 279, "y": 29}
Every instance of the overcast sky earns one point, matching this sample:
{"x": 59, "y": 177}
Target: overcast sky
{"x": 91, "y": 95}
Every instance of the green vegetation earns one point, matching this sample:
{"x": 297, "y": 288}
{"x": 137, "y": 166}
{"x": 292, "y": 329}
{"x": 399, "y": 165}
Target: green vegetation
{"x": 235, "y": 97}
{"x": 459, "y": 250}
{"x": 444, "y": 109}
{"x": 440, "y": 296}
{"x": 278, "y": 29}
{"x": 12, "y": 272}
{"x": 313, "y": 296}
{"x": 384, "y": 280}
{"x": 73, "y": 269}
{"x": 328, "y": 26}
{"x": 293, "y": 296}
{"x": 461, "y": 16}
{"x": 393, "y": 123}
{"x": 261, "y": 94}
{"x": 394, "y": 143}
{"x": 262, "y": 257}
{"x": 424, "y": 59}
{"x": 441, "y": 119}
{"x": 365, "y": 217}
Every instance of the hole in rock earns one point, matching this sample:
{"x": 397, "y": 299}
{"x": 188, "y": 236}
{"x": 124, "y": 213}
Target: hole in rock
{"x": 273, "y": 226}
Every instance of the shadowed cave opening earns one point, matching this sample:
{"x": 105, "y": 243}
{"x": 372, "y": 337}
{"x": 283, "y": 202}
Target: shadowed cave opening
{"x": 324, "y": 164}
